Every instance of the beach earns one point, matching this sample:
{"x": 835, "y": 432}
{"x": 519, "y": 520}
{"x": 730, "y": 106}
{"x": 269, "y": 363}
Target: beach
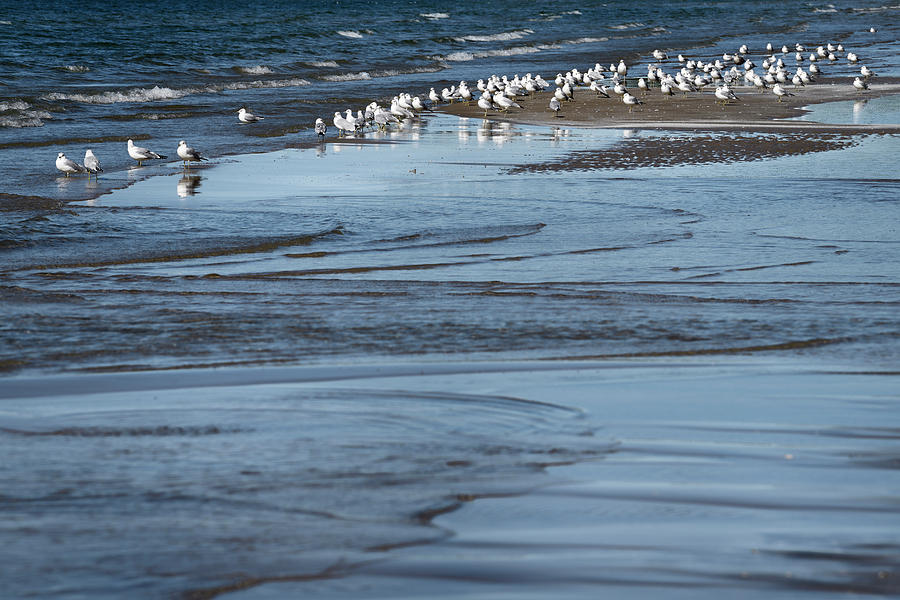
{"x": 642, "y": 354}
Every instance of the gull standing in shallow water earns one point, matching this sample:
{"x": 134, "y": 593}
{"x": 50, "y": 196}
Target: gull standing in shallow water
{"x": 860, "y": 85}
{"x": 187, "y": 154}
{"x": 67, "y": 165}
{"x": 91, "y": 163}
{"x": 141, "y": 154}
{"x": 247, "y": 117}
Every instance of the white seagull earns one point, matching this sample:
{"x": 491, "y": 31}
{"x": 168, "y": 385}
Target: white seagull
{"x": 554, "y": 106}
{"x": 67, "y": 165}
{"x": 187, "y": 154}
{"x": 91, "y": 163}
{"x": 858, "y": 83}
{"x": 484, "y": 102}
{"x": 780, "y": 91}
{"x": 247, "y": 117}
{"x": 630, "y": 101}
{"x": 342, "y": 124}
{"x": 321, "y": 128}
{"x": 141, "y": 154}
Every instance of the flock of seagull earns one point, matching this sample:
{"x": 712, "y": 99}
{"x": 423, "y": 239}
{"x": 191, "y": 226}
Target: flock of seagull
{"x": 499, "y": 93}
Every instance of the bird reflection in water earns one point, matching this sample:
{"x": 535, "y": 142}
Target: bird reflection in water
{"x": 188, "y": 184}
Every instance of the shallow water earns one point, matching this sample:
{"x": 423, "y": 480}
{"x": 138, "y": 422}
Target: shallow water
{"x": 441, "y": 251}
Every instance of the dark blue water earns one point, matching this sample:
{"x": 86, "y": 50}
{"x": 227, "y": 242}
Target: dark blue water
{"x": 74, "y": 79}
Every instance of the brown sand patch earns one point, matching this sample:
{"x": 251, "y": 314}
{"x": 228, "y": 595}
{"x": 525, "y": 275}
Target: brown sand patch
{"x": 676, "y": 150}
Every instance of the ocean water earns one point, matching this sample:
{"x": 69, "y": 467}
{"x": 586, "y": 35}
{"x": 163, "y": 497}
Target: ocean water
{"x": 448, "y": 360}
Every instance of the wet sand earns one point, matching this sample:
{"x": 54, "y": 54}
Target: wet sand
{"x": 753, "y": 111}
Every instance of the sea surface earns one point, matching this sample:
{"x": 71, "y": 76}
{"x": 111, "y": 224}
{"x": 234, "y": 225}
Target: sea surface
{"x": 450, "y": 360}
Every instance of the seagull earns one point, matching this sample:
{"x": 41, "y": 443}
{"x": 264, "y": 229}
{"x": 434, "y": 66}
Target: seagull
{"x": 851, "y": 57}
{"x": 780, "y": 91}
{"x": 342, "y": 124}
{"x": 554, "y": 106}
{"x": 724, "y": 94}
{"x": 858, "y": 83}
{"x": 642, "y": 85}
{"x": 666, "y": 89}
{"x": 866, "y": 72}
{"x": 321, "y": 128}
{"x": 67, "y": 165}
{"x": 246, "y": 117}
{"x": 484, "y": 102}
{"x": 141, "y": 154}
{"x": 186, "y": 153}
{"x": 433, "y": 96}
{"x": 622, "y": 69}
{"x": 504, "y": 102}
{"x": 91, "y": 163}
{"x": 630, "y": 100}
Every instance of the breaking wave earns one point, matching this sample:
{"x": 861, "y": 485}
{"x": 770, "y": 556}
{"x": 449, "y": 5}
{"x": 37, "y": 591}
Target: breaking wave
{"x": 497, "y": 37}
{"x": 351, "y": 34}
{"x": 257, "y": 70}
{"x": 434, "y": 16}
{"x": 156, "y": 93}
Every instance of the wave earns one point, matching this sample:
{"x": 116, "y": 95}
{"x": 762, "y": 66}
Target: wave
{"x": 155, "y": 93}
{"x": 434, "y": 16}
{"x": 627, "y": 26}
{"x": 366, "y": 75}
{"x": 257, "y": 70}
{"x": 76, "y": 68}
{"x": 5, "y": 22}
{"x": 361, "y": 76}
{"x": 876, "y": 9}
{"x": 351, "y": 34}
{"x": 586, "y": 40}
{"x": 830, "y": 9}
{"x": 21, "y": 115}
{"x": 496, "y": 37}
{"x": 464, "y": 56}
{"x": 14, "y": 105}
{"x": 550, "y": 18}
{"x": 322, "y": 63}
{"x": 25, "y": 120}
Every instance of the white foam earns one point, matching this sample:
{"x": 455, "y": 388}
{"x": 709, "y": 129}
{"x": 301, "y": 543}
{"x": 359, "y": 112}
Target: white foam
{"x": 5, "y": 22}
{"x": 322, "y": 63}
{"x": 257, "y": 70}
{"x": 457, "y": 57}
{"x": 351, "y": 34}
{"x": 28, "y": 118}
{"x": 830, "y": 9}
{"x": 155, "y": 93}
{"x": 627, "y": 26}
{"x": 77, "y": 68}
{"x": 434, "y": 16}
{"x": 875, "y": 9}
{"x": 132, "y": 95}
{"x": 496, "y": 37}
{"x": 514, "y": 51}
{"x": 260, "y": 83}
{"x": 14, "y": 105}
{"x": 362, "y": 75}
{"x": 586, "y": 40}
